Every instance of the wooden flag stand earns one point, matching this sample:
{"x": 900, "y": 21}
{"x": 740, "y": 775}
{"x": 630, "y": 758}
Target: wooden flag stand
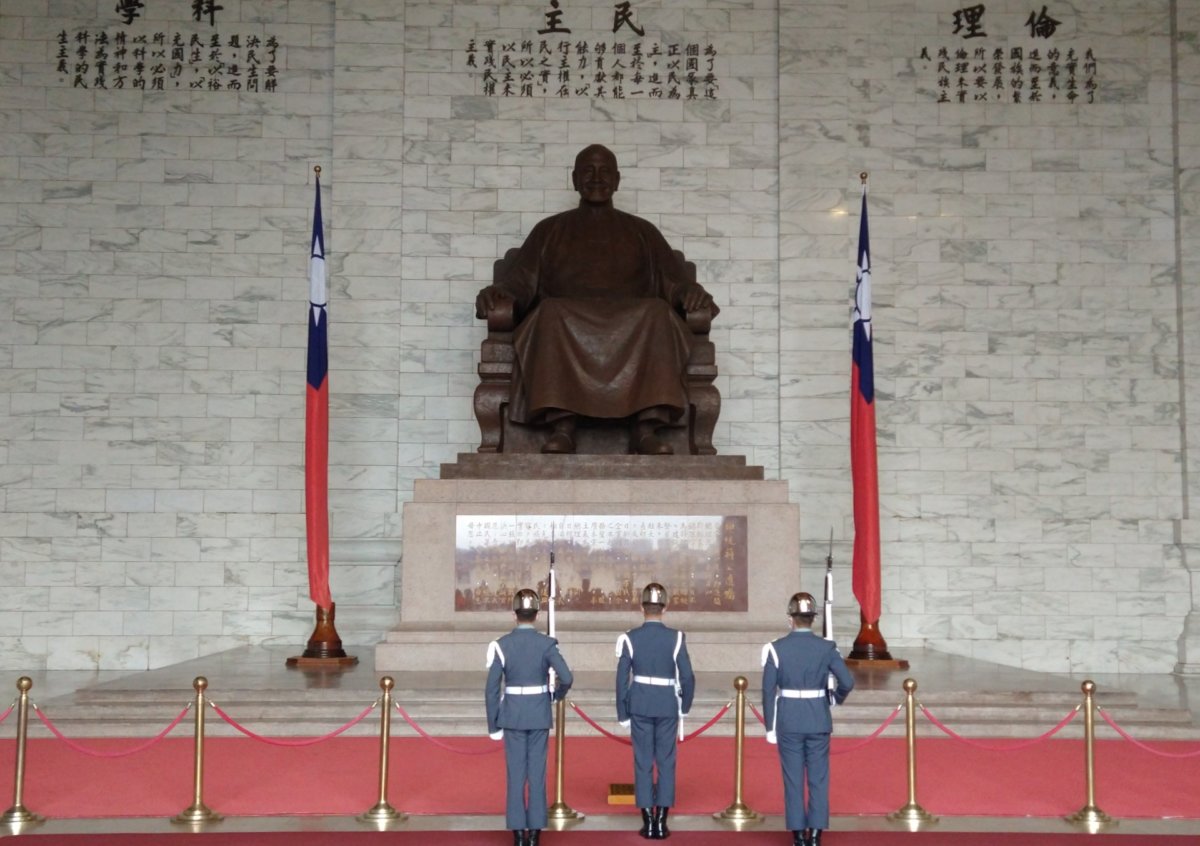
{"x": 870, "y": 650}
{"x": 324, "y": 650}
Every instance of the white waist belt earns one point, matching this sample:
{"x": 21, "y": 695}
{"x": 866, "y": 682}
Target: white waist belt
{"x": 654, "y": 680}
{"x": 802, "y": 694}
{"x": 527, "y": 691}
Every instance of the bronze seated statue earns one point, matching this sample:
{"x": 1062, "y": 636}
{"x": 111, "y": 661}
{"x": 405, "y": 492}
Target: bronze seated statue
{"x": 597, "y": 336}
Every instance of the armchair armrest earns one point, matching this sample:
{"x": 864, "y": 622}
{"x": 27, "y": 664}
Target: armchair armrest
{"x": 699, "y": 322}
{"x": 500, "y": 317}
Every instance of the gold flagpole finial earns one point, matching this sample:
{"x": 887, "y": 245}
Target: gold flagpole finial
{"x": 317, "y": 171}
{"x": 862, "y": 176}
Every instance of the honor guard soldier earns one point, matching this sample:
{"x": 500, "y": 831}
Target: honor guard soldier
{"x": 655, "y": 686}
{"x": 796, "y": 704}
{"x": 518, "y": 698}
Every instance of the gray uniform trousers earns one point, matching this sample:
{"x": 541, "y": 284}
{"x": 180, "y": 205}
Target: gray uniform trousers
{"x": 525, "y": 769}
{"x": 653, "y": 650}
{"x": 802, "y": 661}
{"x": 523, "y": 658}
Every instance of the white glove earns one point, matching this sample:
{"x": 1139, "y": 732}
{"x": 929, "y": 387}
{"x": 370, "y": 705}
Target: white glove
{"x": 497, "y": 735}
{"x": 624, "y": 723}
{"x": 771, "y": 739}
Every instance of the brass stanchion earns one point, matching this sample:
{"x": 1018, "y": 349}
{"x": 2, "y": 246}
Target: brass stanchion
{"x": 560, "y": 814}
{"x": 912, "y": 814}
{"x": 1089, "y": 816}
{"x": 19, "y": 817}
{"x": 198, "y": 813}
{"x": 738, "y": 813}
{"x": 382, "y": 812}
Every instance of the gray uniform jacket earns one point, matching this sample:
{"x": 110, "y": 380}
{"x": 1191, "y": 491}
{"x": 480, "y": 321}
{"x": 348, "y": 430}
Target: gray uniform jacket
{"x": 801, "y": 660}
{"x": 523, "y": 658}
{"x": 658, "y": 651}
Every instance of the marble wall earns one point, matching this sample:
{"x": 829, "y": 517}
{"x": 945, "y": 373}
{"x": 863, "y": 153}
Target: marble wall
{"x": 1032, "y": 326}
{"x": 1186, "y": 103}
{"x": 1028, "y": 346}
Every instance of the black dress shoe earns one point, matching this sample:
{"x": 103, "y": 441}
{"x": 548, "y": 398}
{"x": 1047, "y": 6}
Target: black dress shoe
{"x": 559, "y": 443}
{"x": 534, "y": 835}
{"x": 658, "y": 827}
{"x": 519, "y": 837}
{"x": 815, "y": 840}
{"x": 799, "y": 838}
{"x": 647, "y": 821}
{"x": 653, "y": 445}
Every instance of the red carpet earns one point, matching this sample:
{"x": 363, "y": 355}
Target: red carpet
{"x": 246, "y": 777}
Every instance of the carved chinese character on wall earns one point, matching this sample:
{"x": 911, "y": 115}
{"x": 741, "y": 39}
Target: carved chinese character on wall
{"x": 557, "y": 65}
{"x": 989, "y": 64}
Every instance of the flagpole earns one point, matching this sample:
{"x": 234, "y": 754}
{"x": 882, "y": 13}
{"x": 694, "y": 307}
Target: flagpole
{"x": 831, "y": 682}
{"x": 870, "y": 648}
{"x": 551, "y": 589}
{"x": 827, "y": 624}
{"x": 324, "y": 649}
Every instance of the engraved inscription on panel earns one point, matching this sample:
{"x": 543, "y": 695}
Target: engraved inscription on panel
{"x": 601, "y": 561}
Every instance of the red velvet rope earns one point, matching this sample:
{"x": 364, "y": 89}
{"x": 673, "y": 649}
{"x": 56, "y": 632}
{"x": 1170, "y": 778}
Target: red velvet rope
{"x": 427, "y": 736}
{"x": 1141, "y": 745}
{"x": 858, "y": 744}
{"x": 629, "y": 742}
{"x": 861, "y": 743}
{"x": 4, "y": 716}
{"x": 599, "y": 727}
{"x": 305, "y": 742}
{"x": 98, "y": 754}
{"x": 1010, "y": 747}
{"x": 709, "y": 724}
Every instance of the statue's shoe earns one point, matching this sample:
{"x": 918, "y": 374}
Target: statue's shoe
{"x": 654, "y": 445}
{"x": 559, "y": 443}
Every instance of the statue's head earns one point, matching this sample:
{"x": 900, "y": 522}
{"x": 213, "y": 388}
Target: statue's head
{"x": 595, "y": 176}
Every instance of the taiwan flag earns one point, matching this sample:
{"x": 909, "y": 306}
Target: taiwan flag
{"x": 864, "y": 469}
{"x": 316, "y": 419}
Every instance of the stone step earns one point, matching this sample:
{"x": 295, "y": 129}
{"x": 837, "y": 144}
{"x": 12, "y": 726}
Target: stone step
{"x": 1013, "y": 701}
{"x": 443, "y": 726}
{"x": 111, "y": 713}
{"x": 1017, "y": 703}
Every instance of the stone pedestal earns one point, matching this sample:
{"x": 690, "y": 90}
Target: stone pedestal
{"x": 433, "y": 635}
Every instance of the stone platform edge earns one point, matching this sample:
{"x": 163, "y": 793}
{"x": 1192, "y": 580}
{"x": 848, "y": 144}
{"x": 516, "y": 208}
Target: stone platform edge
{"x": 574, "y": 492}
{"x": 534, "y": 466}
{"x": 585, "y": 650}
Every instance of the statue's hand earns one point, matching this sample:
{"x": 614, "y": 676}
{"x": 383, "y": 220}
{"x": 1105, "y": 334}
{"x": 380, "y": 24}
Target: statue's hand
{"x": 696, "y": 298}
{"x": 489, "y": 298}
